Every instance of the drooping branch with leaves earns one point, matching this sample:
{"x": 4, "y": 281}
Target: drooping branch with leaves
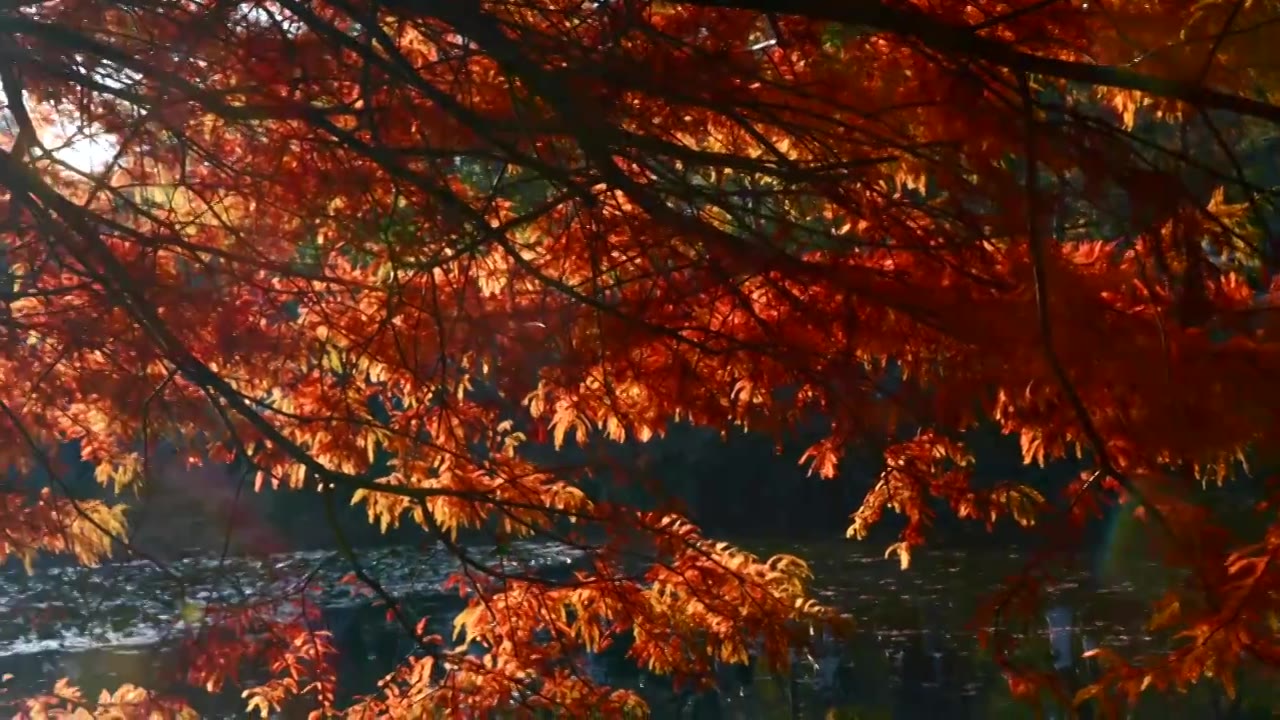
{"x": 378, "y": 246}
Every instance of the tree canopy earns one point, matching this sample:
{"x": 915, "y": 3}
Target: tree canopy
{"x": 385, "y": 246}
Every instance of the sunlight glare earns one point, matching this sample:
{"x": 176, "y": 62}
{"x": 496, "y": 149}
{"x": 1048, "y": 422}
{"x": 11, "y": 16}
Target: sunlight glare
{"x": 87, "y": 150}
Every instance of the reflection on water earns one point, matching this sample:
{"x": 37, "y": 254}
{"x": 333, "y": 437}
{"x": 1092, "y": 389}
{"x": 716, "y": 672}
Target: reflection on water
{"x": 912, "y": 655}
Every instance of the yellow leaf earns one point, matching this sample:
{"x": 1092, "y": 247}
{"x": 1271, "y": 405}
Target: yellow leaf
{"x": 1229, "y": 685}
{"x": 1166, "y": 612}
{"x": 261, "y": 703}
{"x": 1085, "y": 693}
{"x": 904, "y": 554}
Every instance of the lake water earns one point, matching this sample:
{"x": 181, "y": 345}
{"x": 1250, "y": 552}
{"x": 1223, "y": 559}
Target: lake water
{"x": 913, "y": 653}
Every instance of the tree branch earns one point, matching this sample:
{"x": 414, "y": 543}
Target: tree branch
{"x": 963, "y": 40}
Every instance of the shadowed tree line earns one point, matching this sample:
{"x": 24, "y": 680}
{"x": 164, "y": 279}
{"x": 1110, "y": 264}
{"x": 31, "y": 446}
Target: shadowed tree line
{"x": 740, "y": 485}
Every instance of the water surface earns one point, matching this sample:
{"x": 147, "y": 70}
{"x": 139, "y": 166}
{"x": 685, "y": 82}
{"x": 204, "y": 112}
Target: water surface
{"x": 913, "y": 653}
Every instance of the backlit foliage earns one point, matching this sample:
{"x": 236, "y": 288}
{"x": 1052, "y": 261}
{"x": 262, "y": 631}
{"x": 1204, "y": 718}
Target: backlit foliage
{"x": 382, "y": 246}
{"x": 83, "y": 529}
{"x": 129, "y": 702}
